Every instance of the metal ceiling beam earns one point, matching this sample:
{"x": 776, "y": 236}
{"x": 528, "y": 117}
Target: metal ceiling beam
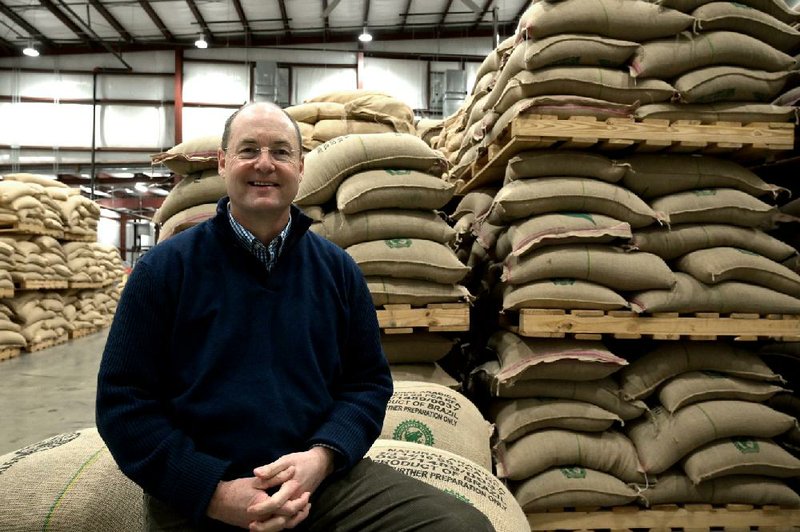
{"x": 486, "y": 5}
{"x": 285, "y": 17}
{"x": 33, "y": 33}
{"x": 324, "y": 18}
{"x": 366, "y": 11}
{"x": 68, "y": 22}
{"x": 405, "y": 15}
{"x": 156, "y": 20}
{"x": 444, "y": 15}
{"x": 327, "y": 12}
{"x": 119, "y": 28}
{"x": 237, "y": 4}
{"x": 200, "y": 20}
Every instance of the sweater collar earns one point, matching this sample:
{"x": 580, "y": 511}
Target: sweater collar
{"x": 300, "y": 223}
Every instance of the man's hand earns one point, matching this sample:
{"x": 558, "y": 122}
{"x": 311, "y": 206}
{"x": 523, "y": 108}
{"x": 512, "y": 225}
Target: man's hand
{"x": 310, "y": 468}
{"x": 244, "y": 502}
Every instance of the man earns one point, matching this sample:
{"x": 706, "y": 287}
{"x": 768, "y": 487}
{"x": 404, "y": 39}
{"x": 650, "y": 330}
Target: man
{"x": 243, "y": 378}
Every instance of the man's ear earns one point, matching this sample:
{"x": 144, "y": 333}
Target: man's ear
{"x": 301, "y": 168}
{"x": 221, "y": 162}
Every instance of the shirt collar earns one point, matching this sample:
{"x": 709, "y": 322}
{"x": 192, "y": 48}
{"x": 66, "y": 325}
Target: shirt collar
{"x": 268, "y": 255}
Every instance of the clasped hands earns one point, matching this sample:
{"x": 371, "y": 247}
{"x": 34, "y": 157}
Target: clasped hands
{"x": 244, "y": 502}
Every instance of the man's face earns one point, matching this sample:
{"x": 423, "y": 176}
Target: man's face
{"x": 263, "y": 164}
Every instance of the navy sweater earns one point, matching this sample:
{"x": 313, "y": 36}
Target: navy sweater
{"x": 214, "y": 367}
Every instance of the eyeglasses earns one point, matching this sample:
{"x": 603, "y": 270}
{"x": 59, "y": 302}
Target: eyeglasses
{"x": 279, "y": 154}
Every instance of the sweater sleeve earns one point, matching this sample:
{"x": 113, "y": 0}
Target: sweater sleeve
{"x": 365, "y": 384}
{"x": 132, "y": 416}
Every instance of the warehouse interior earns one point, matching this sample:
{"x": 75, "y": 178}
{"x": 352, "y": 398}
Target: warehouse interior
{"x": 578, "y": 221}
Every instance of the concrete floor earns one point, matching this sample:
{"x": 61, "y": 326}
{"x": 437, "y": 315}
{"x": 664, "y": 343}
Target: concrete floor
{"x": 49, "y": 392}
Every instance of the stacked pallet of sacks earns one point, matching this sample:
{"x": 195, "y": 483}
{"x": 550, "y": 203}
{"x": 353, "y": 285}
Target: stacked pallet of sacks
{"x": 731, "y": 67}
{"x": 194, "y": 198}
{"x": 558, "y": 411}
{"x": 438, "y": 436}
{"x": 327, "y": 116}
{"x": 380, "y": 194}
{"x": 90, "y": 309}
{"x": 708, "y": 436}
{"x": 723, "y": 261}
{"x": 92, "y": 262}
{"x": 24, "y": 200}
{"x": 37, "y": 259}
{"x": 8, "y": 264}
{"x": 40, "y": 316}
{"x": 558, "y": 241}
{"x": 784, "y": 358}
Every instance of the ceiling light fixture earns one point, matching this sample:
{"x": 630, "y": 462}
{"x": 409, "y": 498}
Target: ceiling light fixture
{"x": 201, "y": 42}
{"x": 30, "y": 50}
{"x": 365, "y": 36}
{"x": 140, "y": 187}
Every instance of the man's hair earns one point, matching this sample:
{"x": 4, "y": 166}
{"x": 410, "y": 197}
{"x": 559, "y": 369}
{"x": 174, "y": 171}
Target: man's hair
{"x": 226, "y": 133}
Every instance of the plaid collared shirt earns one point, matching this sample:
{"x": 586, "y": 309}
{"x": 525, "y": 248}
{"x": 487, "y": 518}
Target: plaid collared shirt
{"x": 267, "y": 255}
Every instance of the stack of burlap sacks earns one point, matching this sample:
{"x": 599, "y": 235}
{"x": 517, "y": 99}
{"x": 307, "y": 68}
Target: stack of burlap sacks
{"x": 578, "y": 425}
{"x": 193, "y": 199}
{"x": 680, "y": 59}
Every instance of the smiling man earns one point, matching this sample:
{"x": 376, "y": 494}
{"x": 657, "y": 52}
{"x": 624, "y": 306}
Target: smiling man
{"x": 243, "y": 379}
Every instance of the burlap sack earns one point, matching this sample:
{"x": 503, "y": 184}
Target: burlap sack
{"x": 44, "y": 181}
{"x": 11, "y": 191}
{"x": 729, "y": 84}
{"x": 475, "y": 202}
{"x": 609, "y": 451}
{"x": 525, "y": 359}
{"x": 460, "y": 477}
{"x": 328, "y": 164}
{"x": 609, "y": 266}
{"x": 515, "y": 418}
{"x": 420, "y": 347}
{"x": 677, "y": 240}
{"x": 560, "y": 50}
{"x": 654, "y": 175}
{"x": 690, "y": 295}
{"x": 716, "y": 265}
{"x": 674, "y": 487}
{"x": 558, "y": 163}
{"x": 715, "y": 205}
{"x": 190, "y": 156}
{"x": 390, "y": 291}
{"x": 740, "y": 18}
{"x": 632, "y": 20}
{"x": 423, "y": 372}
{"x": 663, "y": 439}
{"x": 408, "y": 258}
{"x": 573, "y": 486}
{"x": 182, "y": 220}
{"x": 562, "y": 228}
{"x": 348, "y": 229}
{"x": 344, "y": 96}
{"x": 493, "y": 62}
{"x": 671, "y": 57}
{"x": 590, "y": 82}
{"x": 604, "y": 393}
{"x": 695, "y": 386}
{"x": 325, "y": 130}
{"x": 198, "y": 189}
{"x": 434, "y": 415}
{"x": 392, "y": 189}
{"x": 719, "y": 112}
{"x": 562, "y": 294}
{"x": 387, "y": 109}
{"x": 740, "y": 456}
{"x": 427, "y": 128}
{"x": 777, "y": 8}
{"x": 311, "y": 113}
{"x": 528, "y": 197}
{"x": 645, "y": 374}
{"x": 67, "y": 482}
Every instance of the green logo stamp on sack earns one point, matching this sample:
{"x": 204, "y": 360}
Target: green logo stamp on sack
{"x": 745, "y": 445}
{"x": 413, "y": 431}
{"x": 395, "y": 171}
{"x": 458, "y": 496}
{"x": 575, "y": 472}
{"x": 396, "y": 243}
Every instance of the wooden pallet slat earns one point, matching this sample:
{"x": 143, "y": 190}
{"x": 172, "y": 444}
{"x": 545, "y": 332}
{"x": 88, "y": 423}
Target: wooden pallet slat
{"x": 39, "y": 346}
{"x": 80, "y": 333}
{"x": 435, "y": 317}
{"x": 41, "y": 284}
{"x": 7, "y": 353}
{"x": 701, "y": 326}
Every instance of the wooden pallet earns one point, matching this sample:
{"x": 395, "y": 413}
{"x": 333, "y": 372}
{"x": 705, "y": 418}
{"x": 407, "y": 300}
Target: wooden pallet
{"x": 30, "y": 229}
{"x": 79, "y": 237}
{"x": 435, "y": 317}
{"x": 80, "y": 333}
{"x": 41, "y": 284}
{"x": 528, "y": 132}
{"x": 85, "y": 284}
{"x": 7, "y": 293}
{"x": 9, "y": 352}
{"x": 686, "y": 517}
{"x": 32, "y": 348}
{"x": 593, "y": 324}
